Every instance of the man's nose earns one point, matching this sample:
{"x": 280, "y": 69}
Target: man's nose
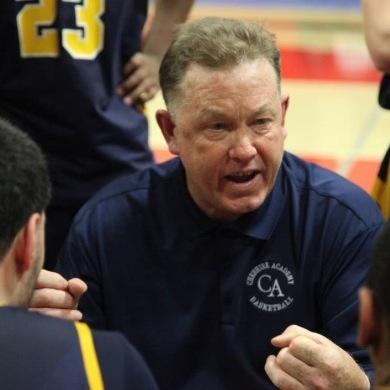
{"x": 242, "y": 148}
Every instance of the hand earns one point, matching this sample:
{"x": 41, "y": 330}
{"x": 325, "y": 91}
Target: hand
{"x": 57, "y": 297}
{"x": 140, "y": 82}
{"x": 308, "y": 360}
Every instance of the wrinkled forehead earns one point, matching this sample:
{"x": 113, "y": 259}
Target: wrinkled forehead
{"x": 241, "y": 90}
{"x": 250, "y": 77}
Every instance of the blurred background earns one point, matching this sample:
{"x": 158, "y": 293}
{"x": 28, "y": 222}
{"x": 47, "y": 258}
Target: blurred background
{"x": 333, "y": 117}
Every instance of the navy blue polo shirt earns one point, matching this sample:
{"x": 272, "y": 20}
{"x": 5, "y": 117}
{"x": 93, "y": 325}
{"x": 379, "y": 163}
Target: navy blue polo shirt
{"x": 201, "y": 300}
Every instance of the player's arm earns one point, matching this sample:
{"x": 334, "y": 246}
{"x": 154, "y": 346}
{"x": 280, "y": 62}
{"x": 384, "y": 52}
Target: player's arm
{"x": 376, "y": 23}
{"x": 141, "y": 71}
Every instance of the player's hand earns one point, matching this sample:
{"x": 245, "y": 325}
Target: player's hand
{"x": 57, "y": 297}
{"x": 140, "y": 82}
{"x": 308, "y": 360}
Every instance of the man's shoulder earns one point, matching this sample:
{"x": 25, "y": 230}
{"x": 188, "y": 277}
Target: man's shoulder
{"x": 325, "y": 186}
{"x": 135, "y": 186}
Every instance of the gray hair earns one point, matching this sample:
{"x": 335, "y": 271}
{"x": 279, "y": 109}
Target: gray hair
{"x": 215, "y": 43}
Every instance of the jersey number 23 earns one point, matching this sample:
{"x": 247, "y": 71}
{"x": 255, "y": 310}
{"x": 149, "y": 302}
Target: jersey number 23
{"x": 39, "y": 38}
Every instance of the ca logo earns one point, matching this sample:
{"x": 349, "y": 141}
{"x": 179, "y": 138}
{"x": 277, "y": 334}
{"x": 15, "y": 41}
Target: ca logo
{"x": 271, "y": 285}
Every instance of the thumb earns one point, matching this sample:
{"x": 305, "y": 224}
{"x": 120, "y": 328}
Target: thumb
{"x": 281, "y": 341}
{"x": 292, "y": 331}
{"x": 77, "y": 288}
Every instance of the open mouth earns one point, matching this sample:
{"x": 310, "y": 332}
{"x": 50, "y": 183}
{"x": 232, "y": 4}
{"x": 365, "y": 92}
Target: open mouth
{"x": 242, "y": 177}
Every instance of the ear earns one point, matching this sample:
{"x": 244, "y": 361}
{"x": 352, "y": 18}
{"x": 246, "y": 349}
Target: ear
{"x": 167, "y": 126}
{"x": 285, "y": 100}
{"x": 27, "y": 242}
{"x": 369, "y": 328}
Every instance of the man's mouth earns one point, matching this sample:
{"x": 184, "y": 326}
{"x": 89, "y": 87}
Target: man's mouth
{"x": 242, "y": 177}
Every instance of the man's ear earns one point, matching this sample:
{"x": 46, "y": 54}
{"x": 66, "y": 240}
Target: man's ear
{"x": 27, "y": 242}
{"x": 167, "y": 126}
{"x": 285, "y": 100}
{"x": 369, "y": 323}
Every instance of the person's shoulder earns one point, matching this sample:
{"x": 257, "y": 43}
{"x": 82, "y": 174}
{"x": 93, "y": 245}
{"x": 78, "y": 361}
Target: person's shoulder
{"x": 136, "y": 185}
{"x": 121, "y": 363}
{"x": 328, "y": 186}
{"x": 28, "y": 337}
{"x": 137, "y": 181}
{"x": 34, "y": 345}
{"x": 18, "y": 319}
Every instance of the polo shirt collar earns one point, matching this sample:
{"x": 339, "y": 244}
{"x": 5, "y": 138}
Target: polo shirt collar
{"x": 258, "y": 224}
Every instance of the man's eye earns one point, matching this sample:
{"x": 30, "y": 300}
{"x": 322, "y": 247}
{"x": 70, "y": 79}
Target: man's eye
{"x": 261, "y": 121}
{"x": 218, "y": 126}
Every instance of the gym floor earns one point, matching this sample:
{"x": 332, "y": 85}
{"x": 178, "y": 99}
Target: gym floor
{"x": 333, "y": 118}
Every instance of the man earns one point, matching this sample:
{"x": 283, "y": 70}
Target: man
{"x": 374, "y": 327}
{"x": 39, "y": 352}
{"x": 237, "y": 255}
{"x": 73, "y": 75}
{"x": 376, "y": 17}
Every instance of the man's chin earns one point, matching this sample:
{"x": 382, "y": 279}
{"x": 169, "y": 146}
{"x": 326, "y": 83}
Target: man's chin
{"x": 236, "y": 209}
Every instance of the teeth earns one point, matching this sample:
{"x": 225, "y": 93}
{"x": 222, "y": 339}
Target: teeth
{"x": 241, "y": 176}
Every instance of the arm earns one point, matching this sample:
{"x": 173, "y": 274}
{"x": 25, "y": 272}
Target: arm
{"x": 376, "y": 23}
{"x": 141, "y": 71}
{"x": 310, "y": 360}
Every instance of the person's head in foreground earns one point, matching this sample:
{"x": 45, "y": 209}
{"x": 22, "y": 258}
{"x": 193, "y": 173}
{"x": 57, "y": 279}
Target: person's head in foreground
{"x": 24, "y": 195}
{"x": 375, "y": 309}
{"x": 225, "y": 113}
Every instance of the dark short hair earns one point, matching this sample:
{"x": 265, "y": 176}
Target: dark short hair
{"x": 24, "y": 182}
{"x": 379, "y": 272}
{"x": 215, "y": 43}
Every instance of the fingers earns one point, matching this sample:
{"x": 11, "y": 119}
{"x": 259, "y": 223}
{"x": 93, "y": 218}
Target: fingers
{"x": 293, "y": 331}
{"x": 136, "y": 61}
{"x": 55, "y": 296}
{"x": 292, "y": 365}
{"x": 51, "y": 298}
{"x": 307, "y": 350}
{"x": 70, "y": 315}
{"x": 280, "y": 378}
{"x": 306, "y": 346}
{"x": 51, "y": 279}
{"x": 313, "y": 361}
{"x": 54, "y": 291}
{"x": 140, "y": 82}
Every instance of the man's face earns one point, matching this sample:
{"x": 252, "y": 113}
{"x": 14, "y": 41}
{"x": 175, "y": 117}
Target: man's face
{"x": 229, "y": 133}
